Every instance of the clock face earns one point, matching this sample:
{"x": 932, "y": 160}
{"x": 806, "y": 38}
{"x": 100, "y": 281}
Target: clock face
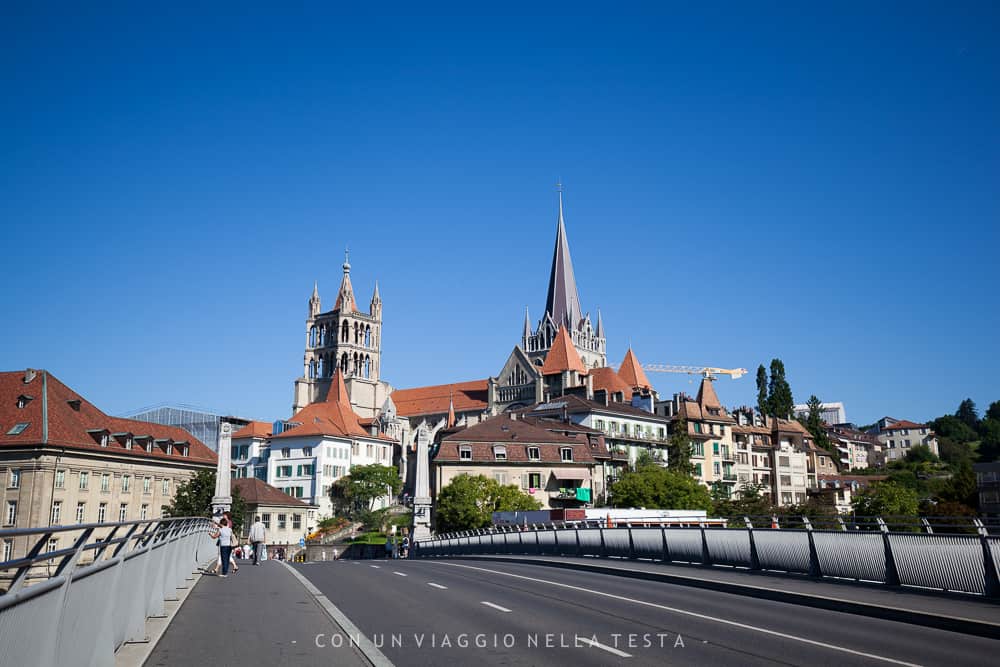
{"x": 226, "y": 428}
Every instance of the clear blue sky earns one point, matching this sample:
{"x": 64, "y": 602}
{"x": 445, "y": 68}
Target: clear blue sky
{"x": 743, "y": 182}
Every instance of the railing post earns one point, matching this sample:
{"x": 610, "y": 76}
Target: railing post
{"x": 927, "y": 525}
{"x": 814, "y": 568}
{"x": 891, "y": 574}
{"x": 603, "y": 552}
{"x": 706, "y": 556}
{"x": 666, "y": 547}
{"x": 840, "y": 522}
{"x": 991, "y": 587}
{"x": 754, "y": 559}
{"x": 579, "y": 547}
{"x": 631, "y": 544}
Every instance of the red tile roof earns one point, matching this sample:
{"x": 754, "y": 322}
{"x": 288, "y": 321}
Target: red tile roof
{"x": 563, "y": 356}
{"x": 904, "y": 424}
{"x": 468, "y": 396}
{"x": 76, "y": 423}
{"x": 256, "y": 492}
{"x": 254, "y": 429}
{"x": 606, "y": 378}
{"x": 334, "y": 416}
{"x": 631, "y": 372}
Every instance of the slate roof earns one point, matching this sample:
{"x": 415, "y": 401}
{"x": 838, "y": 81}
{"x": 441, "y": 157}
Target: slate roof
{"x": 75, "y": 423}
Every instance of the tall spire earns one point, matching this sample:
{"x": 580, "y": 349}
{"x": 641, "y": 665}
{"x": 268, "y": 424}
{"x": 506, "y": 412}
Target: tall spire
{"x": 345, "y": 297}
{"x": 527, "y": 326}
{"x": 563, "y": 301}
{"x": 314, "y": 300}
{"x": 600, "y": 324}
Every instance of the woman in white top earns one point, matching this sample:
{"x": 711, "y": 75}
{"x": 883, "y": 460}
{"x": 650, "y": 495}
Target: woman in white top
{"x": 225, "y": 536}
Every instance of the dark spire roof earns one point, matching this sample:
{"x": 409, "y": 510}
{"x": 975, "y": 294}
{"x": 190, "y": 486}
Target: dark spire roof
{"x": 563, "y": 300}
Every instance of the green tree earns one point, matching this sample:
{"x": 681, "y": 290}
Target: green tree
{"x": 967, "y": 414}
{"x": 989, "y": 447}
{"x": 953, "y": 428}
{"x": 194, "y": 498}
{"x": 886, "y": 498}
{"x": 815, "y": 425}
{"x": 679, "y": 447}
{"x": 993, "y": 412}
{"x": 660, "y": 488}
{"x": 355, "y": 494}
{"x": 763, "y": 407}
{"x": 920, "y": 454}
{"x": 961, "y": 487}
{"x": 779, "y": 395}
{"x": 469, "y": 501}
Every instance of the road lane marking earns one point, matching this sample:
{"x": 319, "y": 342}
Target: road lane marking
{"x": 377, "y": 567}
{"x": 399, "y": 573}
{"x": 495, "y": 606}
{"x": 609, "y": 649}
{"x": 685, "y": 612}
{"x": 431, "y": 583}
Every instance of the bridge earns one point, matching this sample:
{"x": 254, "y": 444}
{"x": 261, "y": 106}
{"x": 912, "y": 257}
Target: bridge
{"x": 136, "y": 593}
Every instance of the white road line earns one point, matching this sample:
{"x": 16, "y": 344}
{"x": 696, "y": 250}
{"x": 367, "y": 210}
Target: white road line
{"x": 377, "y": 567}
{"x": 431, "y": 583}
{"x": 609, "y": 649}
{"x": 399, "y": 573}
{"x": 675, "y": 610}
{"x": 495, "y": 606}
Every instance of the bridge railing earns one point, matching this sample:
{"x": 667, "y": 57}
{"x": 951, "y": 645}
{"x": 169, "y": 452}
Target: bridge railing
{"x": 917, "y": 555}
{"x": 79, "y": 603}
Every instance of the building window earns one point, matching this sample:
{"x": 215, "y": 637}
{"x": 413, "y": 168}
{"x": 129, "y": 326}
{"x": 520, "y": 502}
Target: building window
{"x": 697, "y": 427}
{"x": 369, "y": 451}
{"x": 907, "y": 441}
{"x": 566, "y": 453}
{"x": 18, "y": 429}
{"x": 51, "y": 546}
{"x": 534, "y": 454}
{"x": 105, "y": 482}
{"x": 11, "y": 516}
{"x": 102, "y": 512}
{"x": 534, "y": 480}
{"x": 81, "y": 509}
{"x": 14, "y": 481}
{"x": 783, "y": 461}
{"x": 144, "y": 512}
{"x": 170, "y": 448}
{"x": 716, "y": 469}
{"x": 56, "y": 515}
{"x": 698, "y": 470}
{"x": 305, "y": 470}
{"x": 126, "y": 483}
{"x": 697, "y": 449}
{"x": 786, "y": 480}
{"x": 266, "y": 520}
{"x": 84, "y": 480}
{"x": 499, "y": 453}
{"x": 715, "y": 448}
{"x": 501, "y": 478}
{"x": 122, "y": 512}
{"x": 128, "y": 443}
{"x": 281, "y": 522}
{"x": 307, "y": 451}
{"x": 8, "y": 550}
{"x": 465, "y": 453}
{"x": 147, "y": 485}
{"x": 284, "y": 471}
{"x": 285, "y": 452}
{"x": 296, "y": 521}
{"x": 164, "y": 511}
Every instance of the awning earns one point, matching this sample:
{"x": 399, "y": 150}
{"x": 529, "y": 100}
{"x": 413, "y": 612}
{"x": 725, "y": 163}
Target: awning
{"x": 570, "y": 473}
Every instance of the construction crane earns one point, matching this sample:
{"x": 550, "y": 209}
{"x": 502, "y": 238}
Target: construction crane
{"x": 708, "y": 372}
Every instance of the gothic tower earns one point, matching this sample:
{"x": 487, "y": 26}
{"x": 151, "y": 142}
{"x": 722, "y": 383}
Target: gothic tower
{"x": 344, "y": 338}
{"x": 563, "y": 310}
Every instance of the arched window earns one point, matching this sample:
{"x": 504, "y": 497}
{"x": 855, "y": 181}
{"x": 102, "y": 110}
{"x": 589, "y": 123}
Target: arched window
{"x": 368, "y": 366}
{"x": 312, "y": 337}
{"x": 345, "y": 332}
{"x": 343, "y": 360}
{"x": 368, "y": 336}
{"x": 312, "y": 369}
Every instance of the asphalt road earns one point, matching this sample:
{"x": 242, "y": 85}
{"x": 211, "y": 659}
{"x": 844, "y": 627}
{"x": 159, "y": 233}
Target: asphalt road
{"x": 441, "y": 612}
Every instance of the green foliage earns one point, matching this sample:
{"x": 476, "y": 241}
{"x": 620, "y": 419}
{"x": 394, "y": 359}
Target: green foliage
{"x": 779, "y": 393}
{"x": 763, "y": 406}
{"x": 354, "y": 495}
{"x": 993, "y": 412}
{"x": 660, "y": 488}
{"x": 749, "y": 500}
{"x": 679, "y": 448}
{"x": 953, "y": 428}
{"x": 989, "y": 448}
{"x": 469, "y": 502}
{"x": 194, "y": 498}
{"x": 955, "y": 453}
{"x": 814, "y": 423}
{"x": 961, "y": 488}
{"x": 888, "y": 498}
{"x": 920, "y": 454}
{"x": 967, "y": 414}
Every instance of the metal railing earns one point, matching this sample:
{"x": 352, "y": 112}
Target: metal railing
{"x": 867, "y": 549}
{"x": 78, "y": 604}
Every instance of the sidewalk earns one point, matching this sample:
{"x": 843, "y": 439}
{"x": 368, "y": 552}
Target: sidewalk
{"x": 259, "y": 616}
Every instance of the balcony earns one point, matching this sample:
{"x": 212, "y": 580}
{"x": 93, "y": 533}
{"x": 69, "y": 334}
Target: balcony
{"x": 579, "y": 494}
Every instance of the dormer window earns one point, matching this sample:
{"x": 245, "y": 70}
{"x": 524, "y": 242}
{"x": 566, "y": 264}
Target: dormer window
{"x": 23, "y": 400}
{"x": 74, "y": 404}
{"x": 465, "y": 453}
{"x": 149, "y": 446}
{"x": 534, "y": 454}
{"x": 499, "y": 452}
{"x": 170, "y": 448}
{"x": 128, "y": 442}
{"x": 104, "y": 440}
{"x": 566, "y": 453}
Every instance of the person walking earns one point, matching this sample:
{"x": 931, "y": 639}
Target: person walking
{"x": 224, "y": 534}
{"x": 257, "y": 538}
{"x": 388, "y": 548}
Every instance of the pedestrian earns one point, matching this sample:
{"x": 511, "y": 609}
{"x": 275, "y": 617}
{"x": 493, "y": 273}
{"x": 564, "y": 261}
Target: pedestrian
{"x": 257, "y": 538}
{"x": 406, "y": 546}
{"x": 388, "y": 548}
{"x": 224, "y": 535}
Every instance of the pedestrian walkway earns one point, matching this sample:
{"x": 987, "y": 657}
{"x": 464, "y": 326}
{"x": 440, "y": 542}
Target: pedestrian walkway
{"x": 258, "y": 616}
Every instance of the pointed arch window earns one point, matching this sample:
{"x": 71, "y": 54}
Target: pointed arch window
{"x": 345, "y": 332}
{"x": 368, "y": 336}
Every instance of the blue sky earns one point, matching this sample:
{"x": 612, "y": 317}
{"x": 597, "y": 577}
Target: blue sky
{"x": 742, "y": 182}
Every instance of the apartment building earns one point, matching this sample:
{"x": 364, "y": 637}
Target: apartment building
{"x": 898, "y": 436}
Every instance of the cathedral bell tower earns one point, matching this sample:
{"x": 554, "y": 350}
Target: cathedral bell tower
{"x": 343, "y": 338}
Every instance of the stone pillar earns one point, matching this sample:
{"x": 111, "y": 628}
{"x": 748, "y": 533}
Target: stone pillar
{"x": 223, "y": 500}
{"x": 422, "y": 487}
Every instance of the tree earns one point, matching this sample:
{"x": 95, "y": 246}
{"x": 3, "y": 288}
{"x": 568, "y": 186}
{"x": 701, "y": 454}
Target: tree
{"x": 953, "y": 428}
{"x": 763, "y": 407}
{"x": 660, "y": 488}
{"x": 967, "y": 414}
{"x": 920, "y": 454}
{"x": 993, "y": 412}
{"x": 679, "y": 448}
{"x": 779, "y": 394}
{"x": 989, "y": 448}
{"x": 886, "y": 499}
{"x": 814, "y": 423}
{"x": 357, "y": 492}
{"x": 194, "y": 498}
{"x": 469, "y": 501}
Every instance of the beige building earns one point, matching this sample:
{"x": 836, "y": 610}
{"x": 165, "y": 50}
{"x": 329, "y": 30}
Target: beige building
{"x": 899, "y": 436}
{"x": 286, "y": 520}
{"x": 63, "y": 461}
{"x": 545, "y": 459}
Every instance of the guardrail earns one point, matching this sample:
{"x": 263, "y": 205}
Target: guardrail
{"x": 966, "y": 563}
{"x": 78, "y": 604}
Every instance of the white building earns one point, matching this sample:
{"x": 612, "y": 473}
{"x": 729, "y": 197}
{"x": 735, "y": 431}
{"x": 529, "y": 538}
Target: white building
{"x": 831, "y": 413}
{"x": 899, "y": 436}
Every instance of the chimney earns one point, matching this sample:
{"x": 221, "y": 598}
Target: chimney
{"x": 29, "y": 375}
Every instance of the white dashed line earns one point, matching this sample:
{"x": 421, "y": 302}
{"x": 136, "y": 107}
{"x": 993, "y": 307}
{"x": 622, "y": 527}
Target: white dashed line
{"x": 399, "y": 573}
{"x": 431, "y": 583}
{"x": 495, "y": 606}
{"x": 609, "y": 649}
{"x": 377, "y": 567}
